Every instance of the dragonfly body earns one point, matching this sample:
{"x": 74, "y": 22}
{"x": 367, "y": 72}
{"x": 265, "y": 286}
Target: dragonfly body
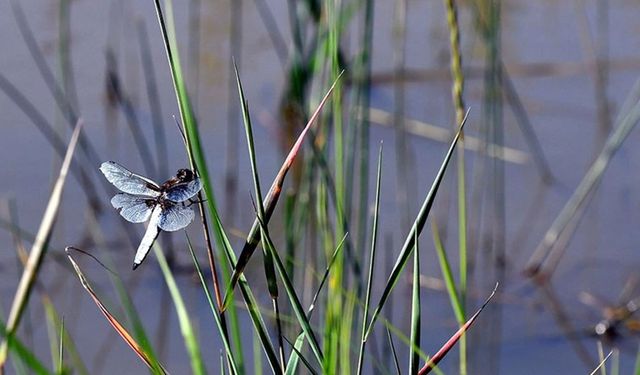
{"x": 165, "y": 206}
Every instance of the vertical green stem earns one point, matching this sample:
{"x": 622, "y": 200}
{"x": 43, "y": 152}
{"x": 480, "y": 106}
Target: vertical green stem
{"x": 457, "y": 90}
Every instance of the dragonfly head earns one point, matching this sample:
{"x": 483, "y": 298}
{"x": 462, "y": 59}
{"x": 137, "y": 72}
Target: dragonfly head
{"x": 185, "y": 175}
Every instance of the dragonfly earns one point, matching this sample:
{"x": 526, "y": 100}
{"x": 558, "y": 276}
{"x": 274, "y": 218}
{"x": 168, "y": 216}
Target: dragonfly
{"x": 167, "y": 207}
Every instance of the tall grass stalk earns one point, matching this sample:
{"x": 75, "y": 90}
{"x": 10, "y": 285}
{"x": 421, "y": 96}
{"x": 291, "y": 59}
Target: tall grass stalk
{"x": 372, "y": 258}
{"x": 335, "y": 308}
{"x": 457, "y": 91}
{"x": 360, "y": 108}
{"x": 415, "y": 310}
{"x": 198, "y": 162}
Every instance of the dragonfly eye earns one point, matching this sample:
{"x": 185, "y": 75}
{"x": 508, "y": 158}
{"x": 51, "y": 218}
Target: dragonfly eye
{"x": 184, "y": 175}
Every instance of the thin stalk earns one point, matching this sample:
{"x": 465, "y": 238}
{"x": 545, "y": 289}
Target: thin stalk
{"x": 335, "y": 309}
{"x": 372, "y": 257}
{"x": 233, "y": 111}
{"x": 367, "y": 47}
{"x": 457, "y": 91}
{"x": 198, "y": 163}
{"x": 415, "y": 311}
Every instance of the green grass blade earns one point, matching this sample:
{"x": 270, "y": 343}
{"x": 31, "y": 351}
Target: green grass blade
{"x": 214, "y": 311}
{"x": 268, "y": 261}
{"x": 415, "y": 311}
{"x": 258, "y": 323}
{"x": 447, "y": 274}
{"x": 186, "y": 328}
{"x": 61, "y": 346}
{"x": 271, "y": 200}
{"x": 293, "y": 359}
{"x": 393, "y": 351}
{"x": 198, "y": 162}
{"x": 293, "y": 298}
{"x": 416, "y": 229}
{"x": 334, "y": 256}
{"x": 22, "y": 351}
{"x": 269, "y": 270}
{"x": 296, "y": 351}
{"x": 372, "y": 258}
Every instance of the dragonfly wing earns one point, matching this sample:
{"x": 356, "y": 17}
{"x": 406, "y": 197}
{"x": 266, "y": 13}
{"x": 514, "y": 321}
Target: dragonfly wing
{"x": 175, "y": 217}
{"x": 127, "y": 181}
{"x": 184, "y": 191}
{"x": 149, "y": 237}
{"x": 134, "y": 209}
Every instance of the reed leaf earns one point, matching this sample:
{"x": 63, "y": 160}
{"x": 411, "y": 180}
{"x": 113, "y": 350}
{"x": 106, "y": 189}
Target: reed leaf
{"x": 431, "y": 364}
{"x": 148, "y": 359}
{"x": 415, "y": 229}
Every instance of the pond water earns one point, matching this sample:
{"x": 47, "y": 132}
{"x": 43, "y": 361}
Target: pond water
{"x": 549, "y": 49}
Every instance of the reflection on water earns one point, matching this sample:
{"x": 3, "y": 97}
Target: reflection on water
{"x": 565, "y": 70}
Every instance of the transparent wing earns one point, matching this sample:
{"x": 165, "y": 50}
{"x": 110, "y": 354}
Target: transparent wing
{"x": 127, "y": 181}
{"x": 134, "y": 209}
{"x": 175, "y": 217}
{"x": 183, "y": 191}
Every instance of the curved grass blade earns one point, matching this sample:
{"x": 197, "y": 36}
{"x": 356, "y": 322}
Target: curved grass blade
{"x": 415, "y": 229}
{"x": 186, "y": 328}
{"x": 271, "y": 200}
{"x": 39, "y": 247}
{"x": 151, "y": 362}
{"x": 456, "y": 336}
